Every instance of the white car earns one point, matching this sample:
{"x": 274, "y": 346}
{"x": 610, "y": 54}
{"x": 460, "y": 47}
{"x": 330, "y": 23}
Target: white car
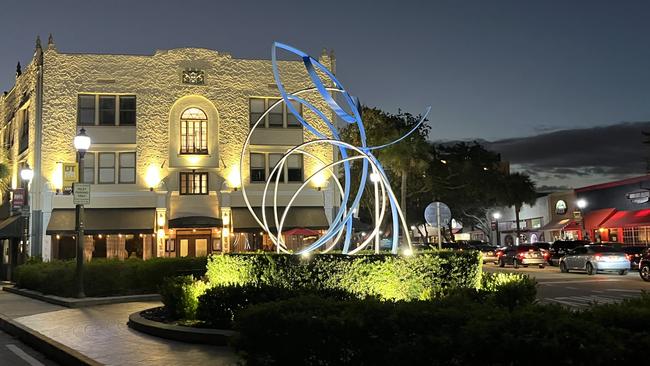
{"x": 594, "y": 259}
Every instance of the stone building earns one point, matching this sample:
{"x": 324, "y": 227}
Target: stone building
{"x": 167, "y": 131}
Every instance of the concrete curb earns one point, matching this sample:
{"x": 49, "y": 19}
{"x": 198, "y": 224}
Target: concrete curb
{"x": 48, "y": 347}
{"x": 218, "y": 337}
{"x": 80, "y": 303}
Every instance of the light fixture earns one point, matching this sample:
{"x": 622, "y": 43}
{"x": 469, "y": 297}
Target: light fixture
{"x": 82, "y": 141}
{"x": 99, "y": 236}
{"x": 27, "y": 174}
{"x": 58, "y": 236}
{"x": 496, "y": 215}
{"x": 582, "y": 203}
{"x": 374, "y": 177}
{"x": 407, "y": 252}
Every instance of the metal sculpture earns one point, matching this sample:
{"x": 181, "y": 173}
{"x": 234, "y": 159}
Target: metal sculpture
{"x": 342, "y": 222}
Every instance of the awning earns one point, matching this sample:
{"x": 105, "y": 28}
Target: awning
{"x": 628, "y": 218}
{"x": 597, "y": 218}
{"x": 297, "y": 217}
{"x": 557, "y": 225}
{"x": 11, "y": 227}
{"x": 104, "y": 221}
{"x": 195, "y": 222}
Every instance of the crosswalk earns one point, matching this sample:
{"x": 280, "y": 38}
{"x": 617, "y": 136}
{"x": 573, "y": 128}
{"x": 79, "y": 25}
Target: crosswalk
{"x": 605, "y": 296}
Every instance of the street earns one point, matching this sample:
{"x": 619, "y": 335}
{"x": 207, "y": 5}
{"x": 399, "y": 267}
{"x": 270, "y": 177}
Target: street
{"x": 577, "y": 289}
{"x": 14, "y": 352}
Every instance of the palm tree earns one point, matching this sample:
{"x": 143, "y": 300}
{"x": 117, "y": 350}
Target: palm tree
{"x": 518, "y": 190}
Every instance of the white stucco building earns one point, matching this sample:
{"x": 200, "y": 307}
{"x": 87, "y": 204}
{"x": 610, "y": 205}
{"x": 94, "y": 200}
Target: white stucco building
{"x": 167, "y": 131}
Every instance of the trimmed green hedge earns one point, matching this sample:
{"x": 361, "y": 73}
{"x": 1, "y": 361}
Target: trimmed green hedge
{"x": 104, "y": 277}
{"x": 471, "y": 328}
{"x": 389, "y": 277}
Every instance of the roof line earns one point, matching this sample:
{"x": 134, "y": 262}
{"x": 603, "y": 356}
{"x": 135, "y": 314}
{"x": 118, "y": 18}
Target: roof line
{"x": 617, "y": 183}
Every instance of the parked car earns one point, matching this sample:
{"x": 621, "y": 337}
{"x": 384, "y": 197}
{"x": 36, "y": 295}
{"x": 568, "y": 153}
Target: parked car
{"x": 635, "y": 253}
{"x": 544, "y": 247}
{"x": 644, "y": 265}
{"x": 522, "y": 255}
{"x": 594, "y": 259}
{"x": 560, "y": 247}
{"x": 488, "y": 252}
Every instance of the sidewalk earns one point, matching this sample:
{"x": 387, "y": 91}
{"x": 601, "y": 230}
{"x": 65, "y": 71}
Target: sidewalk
{"x": 100, "y": 333}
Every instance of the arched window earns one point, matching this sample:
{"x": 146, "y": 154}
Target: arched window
{"x": 194, "y": 132}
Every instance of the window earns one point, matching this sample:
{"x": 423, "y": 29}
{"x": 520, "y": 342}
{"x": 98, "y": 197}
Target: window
{"x": 274, "y": 159}
{"x": 127, "y": 167}
{"x": 86, "y": 110}
{"x": 106, "y": 167}
{"x": 107, "y": 110}
{"x": 194, "y": 132}
{"x": 23, "y": 143}
{"x": 279, "y": 116}
{"x": 194, "y": 183}
{"x": 111, "y": 110}
{"x": 294, "y": 168}
{"x": 258, "y": 168}
{"x": 276, "y": 117}
{"x": 89, "y": 168}
{"x": 127, "y": 110}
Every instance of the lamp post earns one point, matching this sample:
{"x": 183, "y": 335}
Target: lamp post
{"x": 497, "y": 216}
{"x": 81, "y": 144}
{"x": 26, "y": 174}
{"x": 374, "y": 178}
{"x": 582, "y": 203}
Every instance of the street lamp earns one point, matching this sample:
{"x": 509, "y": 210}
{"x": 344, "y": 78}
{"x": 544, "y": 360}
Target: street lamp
{"x": 375, "y": 178}
{"x": 582, "y": 203}
{"x": 81, "y": 144}
{"x": 497, "y": 216}
{"x": 26, "y": 174}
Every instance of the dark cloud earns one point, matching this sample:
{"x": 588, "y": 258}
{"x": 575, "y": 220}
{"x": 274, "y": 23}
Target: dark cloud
{"x": 615, "y": 150}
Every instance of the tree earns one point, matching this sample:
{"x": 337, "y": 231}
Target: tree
{"x": 401, "y": 161}
{"x": 518, "y": 189}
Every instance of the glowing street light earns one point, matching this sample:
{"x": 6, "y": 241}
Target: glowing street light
{"x": 497, "y": 215}
{"x": 81, "y": 144}
{"x": 581, "y": 203}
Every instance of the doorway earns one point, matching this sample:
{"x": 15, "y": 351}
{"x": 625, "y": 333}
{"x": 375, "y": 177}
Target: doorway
{"x": 193, "y": 245}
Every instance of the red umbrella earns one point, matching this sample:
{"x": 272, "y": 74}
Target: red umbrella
{"x": 301, "y": 231}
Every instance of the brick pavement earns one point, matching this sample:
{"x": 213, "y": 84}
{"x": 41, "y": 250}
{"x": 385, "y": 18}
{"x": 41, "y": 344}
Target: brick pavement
{"x": 101, "y": 333}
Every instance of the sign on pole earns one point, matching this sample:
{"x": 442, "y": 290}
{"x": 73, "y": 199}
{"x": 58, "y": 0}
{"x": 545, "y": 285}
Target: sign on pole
{"x": 70, "y": 175}
{"x": 18, "y": 199}
{"x": 81, "y": 193}
{"x": 437, "y": 214}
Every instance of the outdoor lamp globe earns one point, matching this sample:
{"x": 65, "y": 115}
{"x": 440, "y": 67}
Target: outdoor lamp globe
{"x": 27, "y": 174}
{"x": 82, "y": 141}
{"x": 496, "y": 215}
{"x": 582, "y": 203}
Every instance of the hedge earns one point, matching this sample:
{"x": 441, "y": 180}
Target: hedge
{"x": 457, "y": 330}
{"x": 389, "y": 277}
{"x": 104, "y": 277}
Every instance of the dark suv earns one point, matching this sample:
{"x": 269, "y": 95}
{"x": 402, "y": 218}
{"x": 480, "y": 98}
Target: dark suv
{"x": 634, "y": 253}
{"x": 644, "y": 265}
{"x": 560, "y": 248}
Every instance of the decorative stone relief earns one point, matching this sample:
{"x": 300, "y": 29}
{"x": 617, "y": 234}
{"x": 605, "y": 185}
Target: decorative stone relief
{"x": 193, "y": 77}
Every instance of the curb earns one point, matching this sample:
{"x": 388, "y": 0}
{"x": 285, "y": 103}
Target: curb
{"x": 218, "y": 337}
{"x": 80, "y": 303}
{"x": 50, "y": 348}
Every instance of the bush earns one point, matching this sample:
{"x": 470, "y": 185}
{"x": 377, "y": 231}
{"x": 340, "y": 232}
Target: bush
{"x": 457, "y": 330}
{"x": 104, "y": 277}
{"x": 220, "y": 305}
{"x": 180, "y": 296}
{"x": 389, "y": 277}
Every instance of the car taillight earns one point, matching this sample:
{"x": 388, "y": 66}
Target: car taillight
{"x": 627, "y": 256}
{"x": 598, "y": 256}
{"x": 521, "y": 255}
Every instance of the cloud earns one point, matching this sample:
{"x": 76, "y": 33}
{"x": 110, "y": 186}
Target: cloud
{"x": 580, "y": 156}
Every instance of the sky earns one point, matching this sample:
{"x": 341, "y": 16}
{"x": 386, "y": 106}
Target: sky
{"x": 510, "y": 73}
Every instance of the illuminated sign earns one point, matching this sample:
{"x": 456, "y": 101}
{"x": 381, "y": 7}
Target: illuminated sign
{"x": 641, "y": 196}
{"x": 560, "y": 207}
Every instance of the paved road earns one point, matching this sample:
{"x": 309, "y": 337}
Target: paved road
{"x": 13, "y": 352}
{"x": 577, "y": 289}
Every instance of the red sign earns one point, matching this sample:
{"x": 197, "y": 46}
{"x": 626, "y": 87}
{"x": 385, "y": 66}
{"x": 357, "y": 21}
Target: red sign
{"x": 18, "y": 198}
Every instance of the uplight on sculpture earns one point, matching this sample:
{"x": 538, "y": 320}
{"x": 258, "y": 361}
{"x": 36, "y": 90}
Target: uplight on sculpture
{"x": 347, "y": 109}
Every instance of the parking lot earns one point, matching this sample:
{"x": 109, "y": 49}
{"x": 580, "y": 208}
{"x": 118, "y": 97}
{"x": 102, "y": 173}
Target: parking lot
{"x": 578, "y": 289}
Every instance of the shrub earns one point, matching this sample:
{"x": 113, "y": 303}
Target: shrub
{"x": 220, "y": 305}
{"x": 389, "y": 277}
{"x": 457, "y": 330}
{"x": 104, "y": 277}
{"x": 180, "y": 296}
